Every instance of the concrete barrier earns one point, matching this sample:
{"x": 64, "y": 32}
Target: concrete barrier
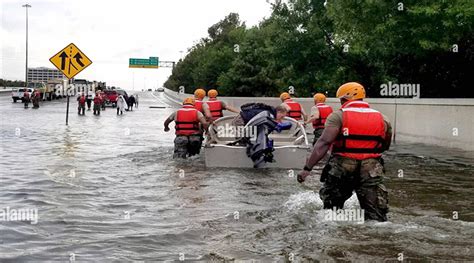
{"x": 441, "y": 122}
{"x": 4, "y": 90}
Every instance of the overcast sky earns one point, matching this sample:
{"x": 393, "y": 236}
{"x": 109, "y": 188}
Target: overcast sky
{"x": 110, "y": 32}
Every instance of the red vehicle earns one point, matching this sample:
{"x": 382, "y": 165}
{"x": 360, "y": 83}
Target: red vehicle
{"x": 110, "y": 97}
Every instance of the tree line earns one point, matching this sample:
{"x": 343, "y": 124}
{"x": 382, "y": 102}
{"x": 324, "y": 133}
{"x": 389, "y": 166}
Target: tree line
{"x": 12, "y": 83}
{"x": 316, "y": 45}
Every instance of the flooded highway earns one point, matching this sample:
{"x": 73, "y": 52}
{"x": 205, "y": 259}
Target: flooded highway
{"x": 107, "y": 189}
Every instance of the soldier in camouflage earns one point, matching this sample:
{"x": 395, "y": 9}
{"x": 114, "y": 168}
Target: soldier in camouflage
{"x": 190, "y": 124}
{"x": 358, "y": 135}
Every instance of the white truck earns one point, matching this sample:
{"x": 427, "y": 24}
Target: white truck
{"x": 17, "y": 94}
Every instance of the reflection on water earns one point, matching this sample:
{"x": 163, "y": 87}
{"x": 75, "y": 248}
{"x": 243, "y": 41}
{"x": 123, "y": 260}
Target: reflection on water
{"x": 70, "y": 145}
{"x": 106, "y": 189}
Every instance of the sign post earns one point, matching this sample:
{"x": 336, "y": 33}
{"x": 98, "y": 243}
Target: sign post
{"x": 70, "y": 61}
{"x": 67, "y": 109}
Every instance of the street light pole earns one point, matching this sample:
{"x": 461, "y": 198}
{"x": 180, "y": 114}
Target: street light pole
{"x": 26, "y": 6}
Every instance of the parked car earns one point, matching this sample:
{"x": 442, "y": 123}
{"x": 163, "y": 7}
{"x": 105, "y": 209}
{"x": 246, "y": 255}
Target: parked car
{"x": 111, "y": 98}
{"x": 17, "y": 94}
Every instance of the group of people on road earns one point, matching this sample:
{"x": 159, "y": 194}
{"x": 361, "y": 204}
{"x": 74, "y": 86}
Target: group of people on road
{"x": 34, "y": 98}
{"x": 82, "y": 100}
{"x": 355, "y": 135}
{"x": 99, "y": 103}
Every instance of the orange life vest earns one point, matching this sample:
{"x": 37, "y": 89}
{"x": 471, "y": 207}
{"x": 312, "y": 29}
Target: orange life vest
{"x": 324, "y": 112}
{"x": 295, "y": 109}
{"x": 187, "y": 122}
{"x": 215, "y": 107}
{"x": 362, "y": 132}
{"x": 198, "y": 105}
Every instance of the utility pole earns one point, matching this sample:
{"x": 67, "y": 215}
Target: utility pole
{"x": 26, "y": 6}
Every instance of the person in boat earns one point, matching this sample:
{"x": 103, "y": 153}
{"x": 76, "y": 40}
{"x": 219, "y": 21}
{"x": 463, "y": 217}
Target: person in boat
{"x": 188, "y": 132}
{"x": 319, "y": 114}
{"x": 260, "y": 120}
{"x": 250, "y": 110}
{"x": 216, "y": 106}
{"x": 359, "y": 135}
{"x": 295, "y": 110}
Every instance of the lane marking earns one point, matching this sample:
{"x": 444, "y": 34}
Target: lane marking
{"x": 158, "y": 99}
{"x": 172, "y": 99}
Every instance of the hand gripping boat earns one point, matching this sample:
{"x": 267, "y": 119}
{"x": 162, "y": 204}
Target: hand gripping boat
{"x": 291, "y": 146}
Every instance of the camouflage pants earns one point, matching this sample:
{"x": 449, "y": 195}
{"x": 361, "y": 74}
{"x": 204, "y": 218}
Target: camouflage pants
{"x": 341, "y": 176}
{"x": 97, "y": 109}
{"x": 185, "y": 146}
{"x": 81, "y": 109}
{"x": 317, "y": 133}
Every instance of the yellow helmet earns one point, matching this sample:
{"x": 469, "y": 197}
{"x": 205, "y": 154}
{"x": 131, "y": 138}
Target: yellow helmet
{"x": 212, "y": 93}
{"x": 284, "y": 96}
{"x": 351, "y": 91}
{"x": 319, "y": 98}
{"x": 189, "y": 101}
{"x": 199, "y": 94}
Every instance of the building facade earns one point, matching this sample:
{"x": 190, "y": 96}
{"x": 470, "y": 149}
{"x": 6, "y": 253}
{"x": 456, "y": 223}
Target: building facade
{"x": 42, "y": 75}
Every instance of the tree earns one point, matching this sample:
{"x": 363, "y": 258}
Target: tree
{"x": 317, "y": 45}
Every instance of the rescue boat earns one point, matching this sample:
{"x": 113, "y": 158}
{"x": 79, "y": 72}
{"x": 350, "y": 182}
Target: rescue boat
{"x": 290, "y": 147}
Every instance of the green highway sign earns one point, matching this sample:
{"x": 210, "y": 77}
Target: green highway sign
{"x": 151, "y": 62}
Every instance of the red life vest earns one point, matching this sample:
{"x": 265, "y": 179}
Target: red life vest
{"x": 82, "y": 100}
{"x": 215, "y": 107}
{"x": 295, "y": 109}
{"x": 97, "y": 100}
{"x": 26, "y": 95}
{"x": 187, "y": 122}
{"x": 324, "y": 112}
{"x": 198, "y": 105}
{"x": 362, "y": 132}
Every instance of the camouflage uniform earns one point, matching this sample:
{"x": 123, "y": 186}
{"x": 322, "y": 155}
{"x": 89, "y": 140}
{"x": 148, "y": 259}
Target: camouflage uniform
{"x": 97, "y": 109}
{"x": 187, "y": 145}
{"x": 317, "y": 133}
{"x": 341, "y": 176}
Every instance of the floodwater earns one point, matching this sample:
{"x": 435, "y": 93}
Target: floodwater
{"x": 106, "y": 189}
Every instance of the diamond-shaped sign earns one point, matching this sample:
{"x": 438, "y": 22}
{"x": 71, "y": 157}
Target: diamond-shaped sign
{"x": 70, "y": 61}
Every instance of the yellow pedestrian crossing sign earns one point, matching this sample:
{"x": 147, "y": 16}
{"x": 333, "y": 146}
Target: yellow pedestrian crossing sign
{"x": 70, "y": 61}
